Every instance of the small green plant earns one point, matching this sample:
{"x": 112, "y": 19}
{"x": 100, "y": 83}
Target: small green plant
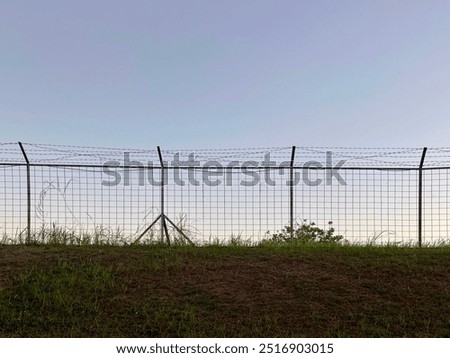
{"x": 305, "y": 233}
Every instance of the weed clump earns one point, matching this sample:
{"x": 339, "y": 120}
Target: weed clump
{"x": 305, "y": 233}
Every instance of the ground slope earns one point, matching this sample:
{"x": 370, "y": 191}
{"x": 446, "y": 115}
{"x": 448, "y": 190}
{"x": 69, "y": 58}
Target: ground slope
{"x": 153, "y": 291}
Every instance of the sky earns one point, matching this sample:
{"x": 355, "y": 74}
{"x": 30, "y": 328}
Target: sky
{"x": 225, "y": 74}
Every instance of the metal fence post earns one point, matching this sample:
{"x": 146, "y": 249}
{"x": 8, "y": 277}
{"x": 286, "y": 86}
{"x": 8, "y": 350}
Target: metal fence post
{"x": 163, "y": 217}
{"x": 163, "y": 214}
{"x": 424, "y": 152}
{"x": 291, "y": 192}
{"x": 28, "y": 193}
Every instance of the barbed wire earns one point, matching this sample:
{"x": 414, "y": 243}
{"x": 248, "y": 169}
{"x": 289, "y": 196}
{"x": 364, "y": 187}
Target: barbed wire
{"x": 383, "y": 157}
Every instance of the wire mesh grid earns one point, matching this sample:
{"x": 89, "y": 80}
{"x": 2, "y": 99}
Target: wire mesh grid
{"x": 369, "y": 206}
{"x": 368, "y": 195}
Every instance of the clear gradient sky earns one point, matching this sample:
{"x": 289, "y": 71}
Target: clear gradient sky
{"x": 207, "y": 74}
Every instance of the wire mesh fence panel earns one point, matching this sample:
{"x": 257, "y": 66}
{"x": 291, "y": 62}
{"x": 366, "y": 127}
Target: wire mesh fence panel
{"x": 225, "y": 204}
{"x": 369, "y": 206}
{"x": 86, "y": 194}
{"x": 436, "y": 206}
{"x": 84, "y": 202}
{"x": 13, "y": 203}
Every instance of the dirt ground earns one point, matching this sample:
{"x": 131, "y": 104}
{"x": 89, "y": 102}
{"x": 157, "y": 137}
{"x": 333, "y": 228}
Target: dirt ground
{"x": 313, "y": 294}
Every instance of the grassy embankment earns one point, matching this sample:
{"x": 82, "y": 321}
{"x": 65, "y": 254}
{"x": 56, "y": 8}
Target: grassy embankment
{"x": 309, "y": 290}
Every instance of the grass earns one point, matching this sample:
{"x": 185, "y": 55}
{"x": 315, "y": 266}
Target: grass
{"x": 272, "y": 290}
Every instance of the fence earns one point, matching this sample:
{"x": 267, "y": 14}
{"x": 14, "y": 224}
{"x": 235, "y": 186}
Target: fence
{"x": 377, "y": 195}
